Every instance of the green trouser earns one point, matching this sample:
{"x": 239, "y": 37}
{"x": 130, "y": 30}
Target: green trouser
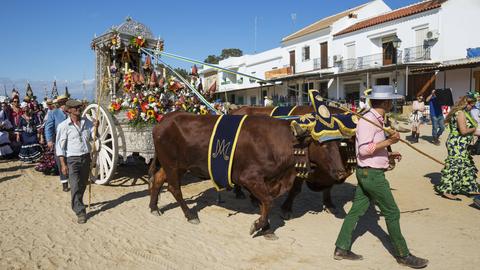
{"x": 372, "y": 185}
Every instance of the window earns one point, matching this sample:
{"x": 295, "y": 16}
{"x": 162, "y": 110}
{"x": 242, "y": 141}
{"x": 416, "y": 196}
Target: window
{"x": 383, "y": 81}
{"x": 352, "y": 91}
{"x": 240, "y": 100}
{"x": 251, "y": 79}
{"x": 306, "y": 53}
{"x": 253, "y": 100}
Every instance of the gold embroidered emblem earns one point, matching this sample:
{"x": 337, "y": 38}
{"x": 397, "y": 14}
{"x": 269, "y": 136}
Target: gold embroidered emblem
{"x": 319, "y": 98}
{"x": 355, "y": 119}
{"x": 222, "y": 149}
{"x": 323, "y": 111}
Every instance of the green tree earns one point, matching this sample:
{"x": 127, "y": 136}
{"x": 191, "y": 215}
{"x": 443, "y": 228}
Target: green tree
{"x": 226, "y": 53}
{"x": 211, "y": 59}
{"x": 232, "y": 52}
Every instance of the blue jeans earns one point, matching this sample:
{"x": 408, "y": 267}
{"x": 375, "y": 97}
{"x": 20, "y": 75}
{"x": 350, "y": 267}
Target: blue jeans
{"x": 438, "y": 126}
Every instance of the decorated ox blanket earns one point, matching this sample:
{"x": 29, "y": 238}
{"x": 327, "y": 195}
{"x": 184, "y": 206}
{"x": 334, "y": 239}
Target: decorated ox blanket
{"x": 282, "y": 111}
{"x": 221, "y": 150}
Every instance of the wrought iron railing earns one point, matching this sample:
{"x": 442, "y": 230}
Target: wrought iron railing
{"x": 317, "y": 63}
{"x": 417, "y": 53}
{"x": 368, "y": 61}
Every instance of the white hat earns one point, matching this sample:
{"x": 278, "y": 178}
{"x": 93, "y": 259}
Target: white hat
{"x": 383, "y": 92}
{"x": 3, "y": 99}
{"x": 23, "y": 104}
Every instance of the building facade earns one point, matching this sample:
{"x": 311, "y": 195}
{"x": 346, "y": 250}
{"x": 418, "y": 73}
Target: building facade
{"x": 346, "y": 53}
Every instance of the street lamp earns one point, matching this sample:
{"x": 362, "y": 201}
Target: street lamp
{"x": 396, "y": 44}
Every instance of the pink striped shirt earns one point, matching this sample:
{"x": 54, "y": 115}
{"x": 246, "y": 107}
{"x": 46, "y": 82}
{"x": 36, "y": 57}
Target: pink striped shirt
{"x": 368, "y": 136}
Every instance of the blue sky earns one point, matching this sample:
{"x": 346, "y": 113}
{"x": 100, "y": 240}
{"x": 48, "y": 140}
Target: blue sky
{"x": 43, "y": 40}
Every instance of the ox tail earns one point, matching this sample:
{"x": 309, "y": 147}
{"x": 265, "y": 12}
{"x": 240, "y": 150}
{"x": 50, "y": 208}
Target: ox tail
{"x": 154, "y": 167}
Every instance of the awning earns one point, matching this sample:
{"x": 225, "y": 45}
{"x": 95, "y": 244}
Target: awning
{"x": 449, "y": 65}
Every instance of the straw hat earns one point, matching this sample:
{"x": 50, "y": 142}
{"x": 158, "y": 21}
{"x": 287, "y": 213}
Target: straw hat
{"x": 60, "y": 98}
{"x": 383, "y": 92}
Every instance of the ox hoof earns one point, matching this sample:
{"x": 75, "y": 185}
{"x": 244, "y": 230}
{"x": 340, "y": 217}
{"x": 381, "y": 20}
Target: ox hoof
{"x": 270, "y": 236}
{"x": 156, "y": 213}
{"x": 194, "y": 221}
{"x": 286, "y": 215}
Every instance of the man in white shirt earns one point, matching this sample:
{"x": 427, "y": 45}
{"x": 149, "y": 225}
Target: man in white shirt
{"x": 73, "y": 147}
{"x": 268, "y": 102}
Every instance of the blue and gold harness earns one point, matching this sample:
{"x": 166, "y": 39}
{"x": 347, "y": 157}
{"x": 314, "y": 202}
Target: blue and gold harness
{"x": 324, "y": 126}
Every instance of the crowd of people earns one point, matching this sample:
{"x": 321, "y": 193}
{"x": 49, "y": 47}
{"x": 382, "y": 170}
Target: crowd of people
{"x": 462, "y": 123}
{"x": 28, "y": 129}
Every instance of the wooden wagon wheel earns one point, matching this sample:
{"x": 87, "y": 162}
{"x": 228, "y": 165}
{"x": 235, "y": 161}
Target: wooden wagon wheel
{"x": 106, "y": 144}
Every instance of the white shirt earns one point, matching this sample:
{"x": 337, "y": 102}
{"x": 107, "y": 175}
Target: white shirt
{"x": 73, "y": 140}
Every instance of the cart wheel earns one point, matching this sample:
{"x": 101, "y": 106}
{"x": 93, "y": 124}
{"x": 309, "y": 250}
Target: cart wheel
{"x": 106, "y": 144}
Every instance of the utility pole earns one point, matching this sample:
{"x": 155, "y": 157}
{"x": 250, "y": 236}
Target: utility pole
{"x": 294, "y": 18}
{"x": 255, "y": 34}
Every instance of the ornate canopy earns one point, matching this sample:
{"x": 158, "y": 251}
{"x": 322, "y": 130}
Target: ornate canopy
{"x": 133, "y": 28}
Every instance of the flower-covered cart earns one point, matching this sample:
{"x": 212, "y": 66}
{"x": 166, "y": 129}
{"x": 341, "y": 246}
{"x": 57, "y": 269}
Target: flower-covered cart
{"x": 133, "y": 93}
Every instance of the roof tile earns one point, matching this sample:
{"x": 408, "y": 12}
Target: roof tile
{"x": 393, "y": 15}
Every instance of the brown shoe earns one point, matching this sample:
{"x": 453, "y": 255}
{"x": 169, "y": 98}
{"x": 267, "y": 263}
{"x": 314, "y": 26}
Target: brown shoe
{"x": 412, "y": 261}
{"x": 341, "y": 254}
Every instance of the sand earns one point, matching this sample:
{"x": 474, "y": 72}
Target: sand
{"x": 39, "y": 230}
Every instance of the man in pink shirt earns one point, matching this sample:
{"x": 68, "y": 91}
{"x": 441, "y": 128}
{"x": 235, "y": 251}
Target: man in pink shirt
{"x": 372, "y": 162}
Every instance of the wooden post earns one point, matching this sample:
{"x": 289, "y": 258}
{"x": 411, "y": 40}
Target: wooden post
{"x": 406, "y": 81}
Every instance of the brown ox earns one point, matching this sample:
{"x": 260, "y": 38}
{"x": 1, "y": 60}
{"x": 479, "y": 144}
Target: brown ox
{"x": 264, "y": 161}
{"x": 327, "y": 153}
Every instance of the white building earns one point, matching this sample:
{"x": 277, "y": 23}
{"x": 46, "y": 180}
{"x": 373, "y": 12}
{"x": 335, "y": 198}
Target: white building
{"x": 348, "y": 52}
{"x": 430, "y": 33}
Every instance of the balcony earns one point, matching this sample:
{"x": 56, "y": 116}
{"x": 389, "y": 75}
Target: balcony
{"x": 416, "y": 54}
{"x": 369, "y": 61}
{"x": 322, "y": 63}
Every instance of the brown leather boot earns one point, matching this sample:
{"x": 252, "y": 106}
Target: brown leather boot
{"x": 412, "y": 261}
{"x": 341, "y": 254}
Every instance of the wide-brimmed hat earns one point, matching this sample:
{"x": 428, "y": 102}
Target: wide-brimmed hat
{"x": 60, "y": 98}
{"x": 49, "y": 101}
{"x": 72, "y": 103}
{"x": 383, "y": 92}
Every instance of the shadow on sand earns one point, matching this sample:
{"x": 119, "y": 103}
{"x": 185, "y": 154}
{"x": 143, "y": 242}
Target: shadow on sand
{"x": 306, "y": 202}
{"x": 11, "y": 177}
{"x": 435, "y": 177}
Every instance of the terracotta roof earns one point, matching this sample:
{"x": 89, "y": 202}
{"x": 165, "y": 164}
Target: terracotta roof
{"x": 322, "y": 24}
{"x": 393, "y": 15}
